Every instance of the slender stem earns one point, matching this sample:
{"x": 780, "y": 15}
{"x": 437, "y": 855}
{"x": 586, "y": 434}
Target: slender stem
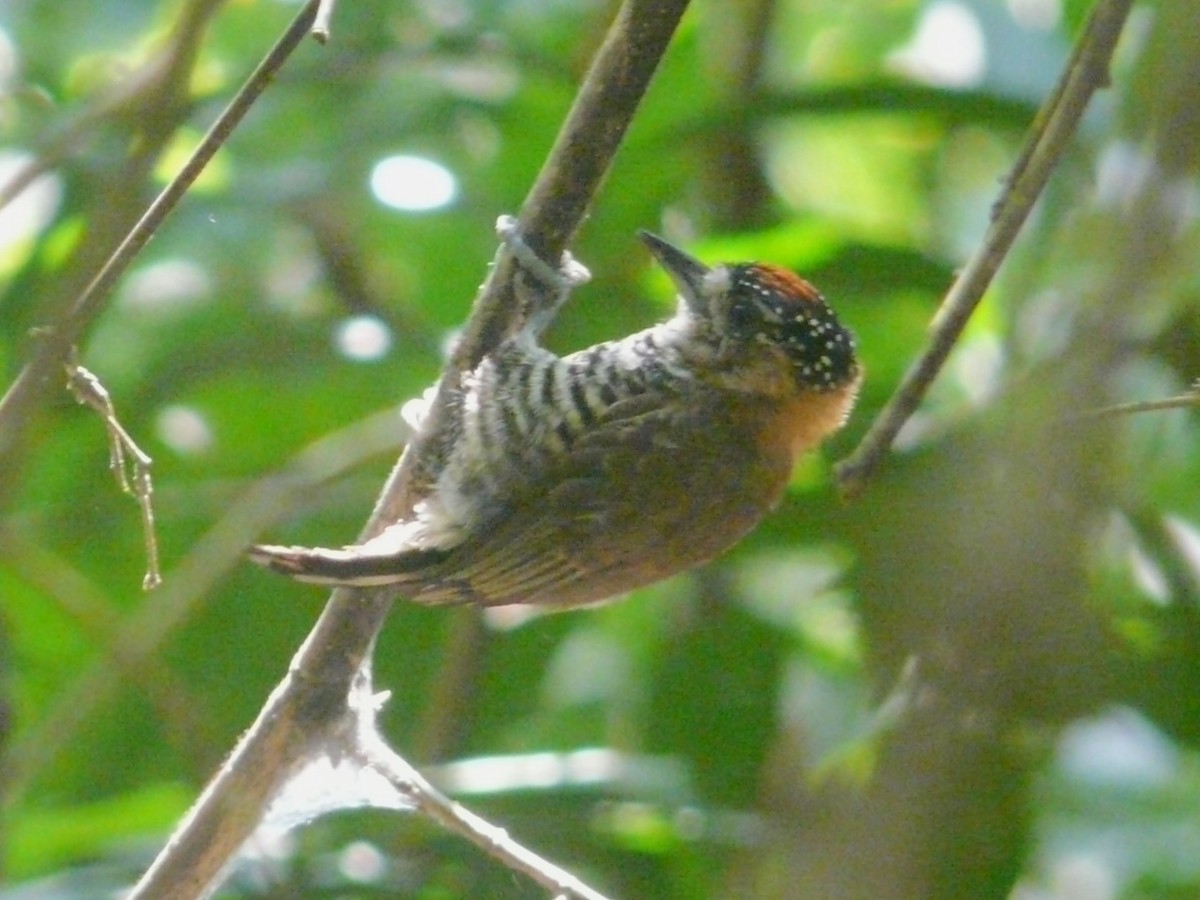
{"x": 355, "y": 740}
{"x": 1086, "y": 73}
{"x": 1179, "y": 401}
{"x": 375, "y": 754}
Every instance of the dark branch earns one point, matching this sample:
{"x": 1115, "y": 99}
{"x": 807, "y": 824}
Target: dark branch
{"x": 1086, "y": 73}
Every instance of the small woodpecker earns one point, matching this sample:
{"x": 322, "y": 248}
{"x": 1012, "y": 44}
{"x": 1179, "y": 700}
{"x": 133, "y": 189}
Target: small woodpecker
{"x": 569, "y": 480}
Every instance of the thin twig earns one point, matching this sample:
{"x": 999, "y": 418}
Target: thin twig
{"x": 494, "y": 841}
{"x": 129, "y": 464}
{"x": 1087, "y": 72}
{"x": 1179, "y": 401}
{"x": 153, "y": 104}
{"x": 373, "y": 752}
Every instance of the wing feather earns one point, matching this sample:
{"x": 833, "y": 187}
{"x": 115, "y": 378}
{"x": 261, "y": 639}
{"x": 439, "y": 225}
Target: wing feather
{"x": 630, "y": 503}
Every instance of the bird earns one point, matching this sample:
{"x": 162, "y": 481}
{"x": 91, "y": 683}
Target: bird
{"x": 570, "y": 480}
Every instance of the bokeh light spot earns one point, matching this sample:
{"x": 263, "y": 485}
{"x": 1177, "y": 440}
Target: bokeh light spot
{"x": 413, "y": 183}
{"x": 363, "y": 338}
{"x": 184, "y": 430}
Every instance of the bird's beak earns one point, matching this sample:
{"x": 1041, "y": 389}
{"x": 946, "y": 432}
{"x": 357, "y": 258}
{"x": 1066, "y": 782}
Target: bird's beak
{"x": 686, "y": 271}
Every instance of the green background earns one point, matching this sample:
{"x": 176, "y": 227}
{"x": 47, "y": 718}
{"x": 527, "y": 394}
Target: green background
{"x": 1041, "y": 574}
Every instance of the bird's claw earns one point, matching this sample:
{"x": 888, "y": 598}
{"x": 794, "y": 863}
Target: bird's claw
{"x": 570, "y": 273}
{"x": 540, "y": 305}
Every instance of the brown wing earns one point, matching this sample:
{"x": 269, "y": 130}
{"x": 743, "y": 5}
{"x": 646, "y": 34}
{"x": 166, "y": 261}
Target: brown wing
{"x": 646, "y": 492}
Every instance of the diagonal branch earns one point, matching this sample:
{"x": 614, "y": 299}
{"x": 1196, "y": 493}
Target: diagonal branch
{"x": 1087, "y": 72}
{"x": 371, "y": 752}
{"x": 552, "y": 211}
{"x": 312, "y": 700}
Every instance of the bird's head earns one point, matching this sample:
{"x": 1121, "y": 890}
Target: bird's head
{"x": 743, "y": 308}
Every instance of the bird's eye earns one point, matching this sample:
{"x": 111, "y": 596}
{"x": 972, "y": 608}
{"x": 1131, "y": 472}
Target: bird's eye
{"x": 743, "y": 318}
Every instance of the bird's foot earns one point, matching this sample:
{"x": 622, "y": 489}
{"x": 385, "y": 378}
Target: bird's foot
{"x": 557, "y": 282}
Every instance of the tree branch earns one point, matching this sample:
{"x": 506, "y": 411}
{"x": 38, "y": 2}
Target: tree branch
{"x": 552, "y": 211}
{"x": 373, "y": 752}
{"x": 1086, "y": 72}
{"x": 311, "y": 702}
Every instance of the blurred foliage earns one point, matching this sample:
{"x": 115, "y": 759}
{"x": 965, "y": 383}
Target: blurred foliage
{"x": 1044, "y": 575}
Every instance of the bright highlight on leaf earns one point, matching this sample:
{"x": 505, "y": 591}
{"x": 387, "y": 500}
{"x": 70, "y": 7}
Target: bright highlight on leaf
{"x": 948, "y": 48}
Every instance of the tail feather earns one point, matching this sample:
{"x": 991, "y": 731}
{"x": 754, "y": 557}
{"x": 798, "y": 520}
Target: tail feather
{"x": 353, "y": 566}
